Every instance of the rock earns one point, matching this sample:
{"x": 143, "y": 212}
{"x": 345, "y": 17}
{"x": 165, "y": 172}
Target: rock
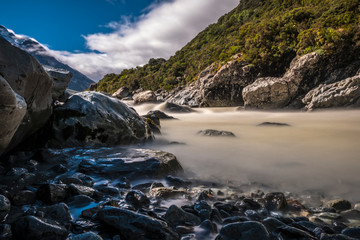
{"x": 80, "y": 201}
{"x": 339, "y": 204}
{"x": 111, "y": 191}
{"x": 137, "y": 199}
{"x": 352, "y": 232}
{"x": 272, "y": 93}
{"x": 351, "y": 214}
{"x": 275, "y": 201}
{"x": 175, "y": 108}
{"x": 287, "y": 232}
{"x": 153, "y": 122}
{"x": 276, "y": 124}
{"x": 159, "y": 114}
{"x": 144, "y": 97}
{"x": 58, "y": 212}
{"x": 61, "y": 79}
{"x": 243, "y": 231}
{"x": 93, "y": 118}
{"x": 272, "y": 224}
{"x": 5, "y": 232}
{"x": 176, "y": 216}
{"x": 134, "y": 163}
{"x": 121, "y": 93}
{"x": 28, "y": 79}
{"x": 357, "y": 206}
{"x": 30, "y": 228}
{"x": 133, "y": 225}
{"x": 208, "y": 227}
{"x": 75, "y": 189}
{"x": 86, "y": 236}
{"x": 215, "y": 133}
{"x": 217, "y": 87}
{"x": 166, "y": 193}
{"x": 12, "y": 112}
{"x": 177, "y": 182}
{"x": 340, "y": 94}
{"x": 24, "y": 197}
{"x": 52, "y": 193}
{"x": 325, "y": 236}
{"x": 4, "y": 207}
{"x": 93, "y": 86}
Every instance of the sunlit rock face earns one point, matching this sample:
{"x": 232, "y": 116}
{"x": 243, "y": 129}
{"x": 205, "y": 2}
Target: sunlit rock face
{"x": 91, "y": 118}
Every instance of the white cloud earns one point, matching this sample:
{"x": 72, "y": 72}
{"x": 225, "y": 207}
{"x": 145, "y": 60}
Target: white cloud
{"x": 164, "y": 29}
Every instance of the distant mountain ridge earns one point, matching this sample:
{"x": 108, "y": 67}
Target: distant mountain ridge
{"x": 79, "y": 81}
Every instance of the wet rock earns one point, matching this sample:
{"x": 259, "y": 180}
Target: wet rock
{"x": 86, "y": 180}
{"x": 137, "y": 199}
{"x": 71, "y": 180}
{"x": 75, "y": 189}
{"x": 235, "y": 219}
{"x": 248, "y": 203}
{"x": 287, "y": 232}
{"x": 111, "y": 191}
{"x": 5, "y": 232}
{"x": 95, "y": 119}
{"x": 272, "y": 224}
{"x": 86, "y": 236}
{"x": 177, "y": 182}
{"x": 90, "y": 212}
{"x": 339, "y": 204}
{"x": 30, "y": 228}
{"x": 81, "y": 201}
{"x": 52, "y": 193}
{"x": 58, "y": 212}
{"x": 177, "y": 216}
{"x": 61, "y": 79}
{"x": 184, "y": 229}
{"x": 243, "y": 231}
{"x": 159, "y": 114}
{"x": 59, "y": 168}
{"x": 4, "y": 207}
{"x": 208, "y": 227}
{"x": 352, "y": 232}
{"x": 166, "y": 193}
{"x": 135, "y": 163}
{"x": 275, "y": 201}
{"x": 340, "y": 94}
{"x": 24, "y": 197}
{"x": 175, "y": 108}
{"x": 215, "y": 133}
{"x": 325, "y": 236}
{"x": 276, "y": 124}
{"x": 207, "y": 195}
{"x": 17, "y": 172}
{"x": 133, "y": 225}
{"x": 144, "y": 97}
{"x": 253, "y": 215}
{"x": 121, "y": 93}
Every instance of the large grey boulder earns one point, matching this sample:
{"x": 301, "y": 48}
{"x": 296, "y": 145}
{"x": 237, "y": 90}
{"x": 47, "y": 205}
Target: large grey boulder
{"x": 61, "y": 79}
{"x": 121, "y": 93}
{"x": 12, "y": 112}
{"x": 144, "y": 97}
{"x": 272, "y": 93}
{"x": 133, "y": 225}
{"x": 27, "y": 78}
{"x": 344, "y": 93}
{"x": 217, "y": 87}
{"x": 91, "y": 118}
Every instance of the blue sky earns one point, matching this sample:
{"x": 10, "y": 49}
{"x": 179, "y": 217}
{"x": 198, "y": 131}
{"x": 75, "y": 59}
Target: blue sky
{"x": 106, "y": 36}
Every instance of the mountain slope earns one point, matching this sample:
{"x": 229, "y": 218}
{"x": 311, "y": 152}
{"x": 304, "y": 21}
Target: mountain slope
{"x": 266, "y": 33}
{"x": 79, "y": 82}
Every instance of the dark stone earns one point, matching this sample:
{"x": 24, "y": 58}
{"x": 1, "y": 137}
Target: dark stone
{"x": 58, "y": 212}
{"x": 288, "y": 232}
{"x": 81, "y": 201}
{"x": 172, "y": 107}
{"x": 215, "y": 133}
{"x": 272, "y": 224}
{"x": 325, "y": 236}
{"x": 52, "y": 193}
{"x": 352, "y": 232}
{"x": 17, "y": 172}
{"x": 4, "y": 207}
{"x": 111, "y": 191}
{"x": 209, "y": 227}
{"x": 177, "y": 216}
{"x": 5, "y": 232}
{"x": 253, "y": 215}
{"x": 71, "y": 180}
{"x": 275, "y": 201}
{"x": 248, "y": 203}
{"x": 31, "y": 228}
{"x": 243, "y": 231}
{"x": 133, "y": 225}
{"x": 235, "y": 219}
{"x": 177, "y": 182}
{"x": 276, "y": 124}
{"x": 137, "y": 199}
{"x": 159, "y": 114}
{"x": 24, "y": 197}
{"x": 184, "y": 229}
{"x": 86, "y": 236}
{"x": 339, "y": 204}
{"x": 153, "y": 122}
{"x": 75, "y": 189}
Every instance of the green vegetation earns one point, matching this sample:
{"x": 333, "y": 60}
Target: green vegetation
{"x": 267, "y": 33}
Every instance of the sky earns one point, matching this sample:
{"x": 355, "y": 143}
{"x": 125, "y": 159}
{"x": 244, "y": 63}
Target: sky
{"x": 98, "y": 37}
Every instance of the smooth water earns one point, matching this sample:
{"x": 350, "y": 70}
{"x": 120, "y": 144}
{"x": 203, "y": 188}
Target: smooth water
{"x": 319, "y": 152}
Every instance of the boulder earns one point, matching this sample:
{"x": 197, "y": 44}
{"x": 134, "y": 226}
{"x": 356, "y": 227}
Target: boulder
{"x": 275, "y": 201}
{"x": 137, "y": 199}
{"x": 86, "y": 236}
{"x": 52, "y": 193}
{"x": 121, "y": 93}
{"x": 177, "y": 216}
{"x": 12, "y": 112}
{"x": 339, "y": 204}
{"x": 345, "y": 93}
{"x": 243, "y": 231}
{"x": 131, "y": 163}
{"x": 144, "y": 97}
{"x": 58, "y": 212}
{"x": 91, "y": 118}
{"x": 159, "y": 114}
{"x": 133, "y": 225}
{"x": 175, "y": 108}
{"x": 272, "y": 93}
{"x": 28, "y": 79}
{"x": 61, "y": 79}
{"x": 4, "y": 207}
{"x": 215, "y": 133}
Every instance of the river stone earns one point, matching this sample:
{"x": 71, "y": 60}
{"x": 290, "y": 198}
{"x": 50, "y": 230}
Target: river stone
{"x": 277, "y": 124}
{"x": 52, "y": 193}
{"x": 275, "y": 201}
{"x": 177, "y": 216}
{"x": 30, "y": 228}
{"x": 339, "y": 204}
{"x": 137, "y": 199}
{"x": 24, "y": 197}
{"x": 243, "y": 231}
{"x": 86, "y": 236}
{"x": 325, "y": 236}
{"x": 5, "y": 232}
{"x": 133, "y": 225}
{"x": 272, "y": 224}
{"x": 121, "y": 93}
{"x": 75, "y": 189}
{"x": 352, "y": 232}
{"x": 287, "y": 232}
{"x": 340, "y": 94}
{"x": 159, "y": 114}
{"x": 176, "y": 108}
{"x": 94, "y": 119}
{"x": 4, "y": 207}
{"x": 61, "y": 79}
{"x": 215, "y": 133}
{"x": 12, "y": 111}
{"x": 27, "y": 78}
{"x": 58, "y": 212}
{"x": 131, "y": 163}
{"x": 144, "y": 97}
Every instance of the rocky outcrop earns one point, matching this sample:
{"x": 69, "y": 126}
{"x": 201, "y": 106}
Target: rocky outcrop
{"x": 61, "y": 79}
{"x": 121, "y": 93}
{"x": 144, "y": 97}
{"x": 272, "y": 93}
{"x": 217, "y": 88}
{"x": 345, "y": 93}
{"x": 27, "y": 78}
{"x": 93, "y": 118}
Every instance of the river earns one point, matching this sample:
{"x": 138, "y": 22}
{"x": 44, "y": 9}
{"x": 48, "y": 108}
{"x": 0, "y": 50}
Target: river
{"x": 319, "y": 152}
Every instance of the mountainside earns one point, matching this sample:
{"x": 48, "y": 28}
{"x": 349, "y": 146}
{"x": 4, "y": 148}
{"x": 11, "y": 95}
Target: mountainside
{"x": 266, "y": 33}
{"x": 79, "y": 82}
